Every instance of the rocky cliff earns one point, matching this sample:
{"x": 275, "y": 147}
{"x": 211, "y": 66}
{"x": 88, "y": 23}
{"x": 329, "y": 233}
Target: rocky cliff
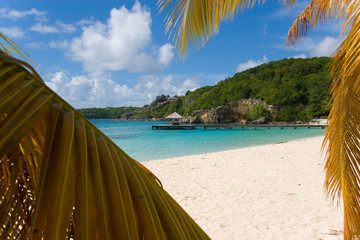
{"x": 232, "y": 112}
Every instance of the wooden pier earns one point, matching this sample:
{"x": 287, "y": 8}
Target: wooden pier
{"x": 255, "y": 126}
{"x": 236, "y": 126}
{"x": 174, "y": 127}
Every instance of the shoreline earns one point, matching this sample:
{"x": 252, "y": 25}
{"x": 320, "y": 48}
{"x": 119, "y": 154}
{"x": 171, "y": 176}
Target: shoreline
{"x": 272, "y": 191}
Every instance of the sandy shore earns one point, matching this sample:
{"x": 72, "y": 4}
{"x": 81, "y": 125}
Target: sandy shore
{"x": 267, "y": 192}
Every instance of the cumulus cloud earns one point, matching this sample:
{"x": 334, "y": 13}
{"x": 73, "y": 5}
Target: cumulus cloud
{"x": 84, "y": 91}
{"x": 250, "y": 64}
{"x": 12, "y": 32}
{"x": 122, "y": 43}
{"x": 97, "y": 90}
{"x": 166, "y": 54}
{"x": 14, "y": 14}
{"x": 326, "y": 47}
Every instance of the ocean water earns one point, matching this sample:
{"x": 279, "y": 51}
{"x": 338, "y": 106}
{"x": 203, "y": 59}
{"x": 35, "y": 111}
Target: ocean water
{"x": 141, "y": 142}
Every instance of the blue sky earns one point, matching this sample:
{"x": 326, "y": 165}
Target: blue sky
{"x": 115, "y": 53}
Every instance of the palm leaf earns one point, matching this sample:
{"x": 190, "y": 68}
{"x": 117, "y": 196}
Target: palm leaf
{"x": 10, "y": 48}
{"x": 61, "y": 178}
{"x": 193, "y": 22}
{"x": 342, "y": 137}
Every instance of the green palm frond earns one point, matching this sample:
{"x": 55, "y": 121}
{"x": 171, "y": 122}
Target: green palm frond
{"x": 61, "y": 178}
{"x": 342, "y": 137}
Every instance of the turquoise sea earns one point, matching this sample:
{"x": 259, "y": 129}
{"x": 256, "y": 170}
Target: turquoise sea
{"x": 139, "y": 141}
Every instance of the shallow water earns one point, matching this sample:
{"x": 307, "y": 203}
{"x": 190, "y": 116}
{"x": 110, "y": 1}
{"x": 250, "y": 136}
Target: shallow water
{"x": 141, "y": 142}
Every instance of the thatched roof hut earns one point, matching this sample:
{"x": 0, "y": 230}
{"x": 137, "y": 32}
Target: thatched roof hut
{"x": 175, "y": 118}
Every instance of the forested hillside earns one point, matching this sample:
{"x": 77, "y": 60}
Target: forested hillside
{"x": 297, "y": 88}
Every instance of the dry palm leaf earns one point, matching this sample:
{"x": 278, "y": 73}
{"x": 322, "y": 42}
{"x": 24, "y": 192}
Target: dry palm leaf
{"x": 61, "y": 178}
{"x": 342, "y": 137}
{"x": 194, "y": 22}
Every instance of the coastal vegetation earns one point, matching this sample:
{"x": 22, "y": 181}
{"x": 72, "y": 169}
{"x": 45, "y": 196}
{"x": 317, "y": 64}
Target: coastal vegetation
{"x": 193, "y": 22}
{"x": 297, "y": 88}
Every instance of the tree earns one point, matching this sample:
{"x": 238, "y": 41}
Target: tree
{"x": 194, "y": 21}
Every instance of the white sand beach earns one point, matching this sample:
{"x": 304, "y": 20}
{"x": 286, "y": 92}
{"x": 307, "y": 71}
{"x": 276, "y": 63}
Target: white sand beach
{"x": 267, "y": 192}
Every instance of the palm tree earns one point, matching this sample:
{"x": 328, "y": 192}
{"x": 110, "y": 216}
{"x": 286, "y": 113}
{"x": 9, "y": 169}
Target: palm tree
{"x": 62, "y": 178}
{"x": 193, "y": 22}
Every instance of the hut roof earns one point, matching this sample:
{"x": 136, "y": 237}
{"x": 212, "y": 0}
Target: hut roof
{"x": 174, "y": 115}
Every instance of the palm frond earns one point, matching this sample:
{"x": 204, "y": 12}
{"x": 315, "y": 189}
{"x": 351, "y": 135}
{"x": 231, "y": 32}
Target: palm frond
{"x": 342, "y": 137}
{"x": 61, "y": 178}
{"x": 193, "y": 22}
{"x": 10, "y": 48}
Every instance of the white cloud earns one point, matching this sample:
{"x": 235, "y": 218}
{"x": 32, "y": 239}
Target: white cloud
{"x": 84, "y": 22}
{"x": 171, "y": 85}
{"x": 101, "y": 91}
{"x": 12, "y": 32}
{"x": 191, "y": 83}
{"x": 44, "y": 29}
{"x": 300, "y": 56}
{"x": 60, "y": 27}
{"x": 14, "y": 14}
{"x": 315, "y": 48}
{"x": 250, "y": 64}
{"x": 166, "y": 54}
{"x": 326, "y": 47}
{"x": 122, "y": 43}
{"x": 84, "y": 91}
{"x": 290, "y": 11}
{"x": 66, "y": 28}
{"x": 36, "y": 45}
{"x": 59, "y": 44}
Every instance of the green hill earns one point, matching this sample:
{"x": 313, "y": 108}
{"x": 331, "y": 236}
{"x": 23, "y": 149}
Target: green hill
{"x": 296, "y": 88}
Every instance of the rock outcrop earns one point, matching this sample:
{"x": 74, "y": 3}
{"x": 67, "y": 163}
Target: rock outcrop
{"x": 229, "y": 113}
